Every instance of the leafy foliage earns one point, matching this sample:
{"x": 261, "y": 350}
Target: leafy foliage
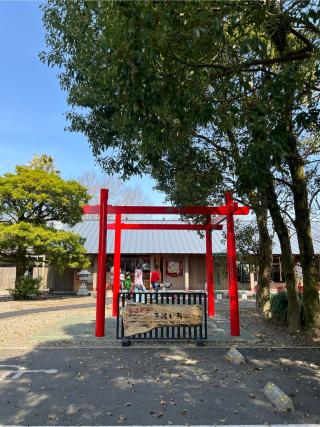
{"x": 38, "y": 197}
{"x": 32, "y": 203}
{"x": 247, "y": 242}
{"x": 196, "y": 99}
{"x": 26, "y": 287}
{"x": 279, "y": 308}
{"x": 43, "y": 162}
{"x": 203, "y": 96}
{"x": 61, "y": 248}
{"x": 153, "y": 100}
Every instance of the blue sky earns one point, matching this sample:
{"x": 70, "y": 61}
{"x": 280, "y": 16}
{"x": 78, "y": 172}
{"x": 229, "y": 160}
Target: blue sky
{"x": 32, "y": 105}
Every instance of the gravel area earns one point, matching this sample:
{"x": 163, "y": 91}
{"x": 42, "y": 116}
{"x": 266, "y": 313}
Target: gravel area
{"x": 21, "y": 320}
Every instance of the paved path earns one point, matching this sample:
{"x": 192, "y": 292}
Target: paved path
{"x": 80, "y": 329}
{"x": 144, "y": 386}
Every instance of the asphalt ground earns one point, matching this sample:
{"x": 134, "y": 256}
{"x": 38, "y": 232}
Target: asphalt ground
{"x": 155, "y": 386}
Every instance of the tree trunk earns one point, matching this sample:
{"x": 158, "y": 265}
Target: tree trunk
{"x": 294, "y": 315}
{"x": 303, "y": 228}
{"x": 20, "y": 265}
{"x": 265, "y": 261}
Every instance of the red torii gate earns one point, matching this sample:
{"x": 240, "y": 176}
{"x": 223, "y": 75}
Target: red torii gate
{"x": 227, "y": 212}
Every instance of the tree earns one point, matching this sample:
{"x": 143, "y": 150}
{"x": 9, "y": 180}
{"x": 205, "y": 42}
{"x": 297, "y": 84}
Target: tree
{"x": 32, "y": 200}
{"x": 43, "y": 162}
{"x": 229, "y": 85}
{"x": 119, "y": 192}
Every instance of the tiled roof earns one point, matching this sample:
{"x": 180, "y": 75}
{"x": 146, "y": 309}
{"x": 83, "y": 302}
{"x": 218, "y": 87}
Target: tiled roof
{"x": 170, "y": 241}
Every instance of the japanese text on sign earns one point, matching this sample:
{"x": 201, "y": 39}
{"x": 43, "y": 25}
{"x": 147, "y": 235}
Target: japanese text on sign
{"x": 141, "y": 318}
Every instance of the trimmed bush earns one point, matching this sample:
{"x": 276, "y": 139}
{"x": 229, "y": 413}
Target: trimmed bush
{"x": 279, "y": 308}
{"x": 26, "y": 287}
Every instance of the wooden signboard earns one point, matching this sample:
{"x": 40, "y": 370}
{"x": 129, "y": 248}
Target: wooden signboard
{"x": 140, "y": 318}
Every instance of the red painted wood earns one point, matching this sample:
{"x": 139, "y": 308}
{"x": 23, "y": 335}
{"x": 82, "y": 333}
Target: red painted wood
{"x": 209, "y": 271}
{"x": 167, "y": 210}
{"x": 229, "y": 211}
{"x": 199, "y": 227}
{"x": 101, "y": 274}
{"x": 232, "y": 270}
{"x": 116, "y": 273}
{"x": 91, "y": 209}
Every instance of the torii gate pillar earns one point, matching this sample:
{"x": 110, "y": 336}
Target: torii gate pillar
{"x": 102, "y": 255}
{"x": 232, "y": 268}
{"x": 209, "y": 270}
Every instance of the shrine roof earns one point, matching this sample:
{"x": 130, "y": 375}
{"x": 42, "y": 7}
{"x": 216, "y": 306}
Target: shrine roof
{"x": 170, "y": 241}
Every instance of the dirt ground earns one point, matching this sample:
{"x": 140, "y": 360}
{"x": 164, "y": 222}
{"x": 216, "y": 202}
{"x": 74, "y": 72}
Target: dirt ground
{"x": 22, "y": 320}
{"x": 271, "y": 334}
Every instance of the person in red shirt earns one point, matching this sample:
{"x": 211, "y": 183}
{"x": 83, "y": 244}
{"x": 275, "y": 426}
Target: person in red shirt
{"x": 155, "y": 278}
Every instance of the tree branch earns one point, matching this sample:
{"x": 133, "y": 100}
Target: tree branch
{"x": 283, "y": 181}
{"x": 313, "y": 197}
{"x": 311, "y": 27}
{"x": 286, "y": 212}
{"x": 246, "y": 66}
{"x": 302, "y": 38}
{"x": 211, "y": 142}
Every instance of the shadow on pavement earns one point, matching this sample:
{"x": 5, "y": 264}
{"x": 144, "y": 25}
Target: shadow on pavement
{"x": 152, "y": 386}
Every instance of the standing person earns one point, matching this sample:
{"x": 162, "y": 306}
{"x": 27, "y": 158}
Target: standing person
{"x": 155, "y": 278}
{"x": 138, "y": 281}
{"x": 112, "y": 275}
{"x": 127, "y": 282}
{"x": 122, "y": 279}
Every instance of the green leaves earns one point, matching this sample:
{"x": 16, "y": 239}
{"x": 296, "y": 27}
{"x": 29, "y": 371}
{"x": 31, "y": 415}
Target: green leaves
{"x": 39, "y": 197}
{"x": 32, "y": 201}
{"x": 149, "y": 76}
{"x": 61, "y": 248}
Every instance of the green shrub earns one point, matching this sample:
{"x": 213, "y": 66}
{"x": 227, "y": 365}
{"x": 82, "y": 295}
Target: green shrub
{"x": 279, "y": 308}
{"x": 26, "y": 286}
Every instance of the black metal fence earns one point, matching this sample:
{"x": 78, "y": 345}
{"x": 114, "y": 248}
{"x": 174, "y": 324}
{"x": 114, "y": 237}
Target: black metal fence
{"x": 198, "y": 332}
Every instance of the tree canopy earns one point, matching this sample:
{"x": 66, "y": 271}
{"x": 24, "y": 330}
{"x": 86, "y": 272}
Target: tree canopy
{"x": 202, "y": 96}
{"x": 157, "y": 80}
{"x": 32, "y": 203}
{"x": 43, "y": 162}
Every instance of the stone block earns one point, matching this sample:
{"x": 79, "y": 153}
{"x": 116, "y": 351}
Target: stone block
{"x": 235, "y": 357}
{"x": 83, "y": 290}
{"x": 281, "y": 401}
